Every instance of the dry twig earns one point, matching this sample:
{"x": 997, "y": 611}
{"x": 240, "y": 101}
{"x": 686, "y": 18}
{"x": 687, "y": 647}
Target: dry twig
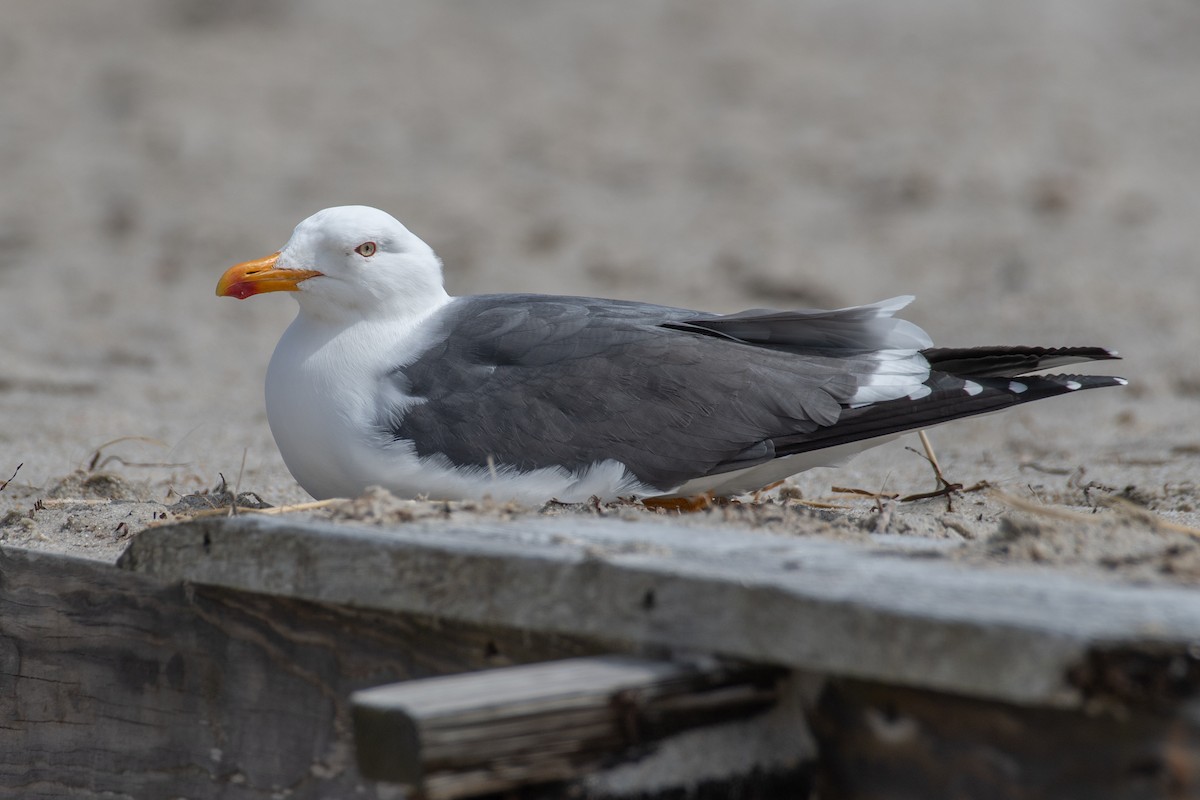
{"x": 1042, "y": 468}
{"x": 273, "y": 510}
{"x": 1119, "y": 505}
{"x": 95, "y": 463}
{"x": 237, "y": 485}
{"x": 5, "y": 484}
{"x": 1134, "y": 511}
{"x": 945, "y": 488}
{"x": 819, "y": 504}
{"x": 876, "y": 496}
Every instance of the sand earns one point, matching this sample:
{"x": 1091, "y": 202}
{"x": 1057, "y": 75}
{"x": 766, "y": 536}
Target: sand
{"x": 1027, "y": 169}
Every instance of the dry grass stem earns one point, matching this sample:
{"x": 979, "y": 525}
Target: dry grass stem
{"x": 865, "y": 493}
{"x": 5, "y": 484}
{"x": 95, "y": 463}
{"x": 932, "y": 457}
{"x": 224, "y": 511}
{"x": 820, "y": 504}
{"x": 1119, "y": 505}
{"x": 309, "y": 506}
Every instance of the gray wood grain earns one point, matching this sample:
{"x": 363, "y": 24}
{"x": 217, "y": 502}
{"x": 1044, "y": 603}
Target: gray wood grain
{"x": 118, "y": 685}
{"x": 887, "y": 743}
{"x": 822, "y": 606}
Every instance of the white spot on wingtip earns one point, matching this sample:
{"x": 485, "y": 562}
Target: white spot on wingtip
{"x": 972, "y": 388}
{"x": 1121, "y": 381}
{"x": 1016, "y": 387}
{"x": 1073, "y": 385}
{"x": 919, "y": 392}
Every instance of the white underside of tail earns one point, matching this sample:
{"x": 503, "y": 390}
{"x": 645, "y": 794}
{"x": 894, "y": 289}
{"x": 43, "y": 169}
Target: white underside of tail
{"x": 751, "y": 479}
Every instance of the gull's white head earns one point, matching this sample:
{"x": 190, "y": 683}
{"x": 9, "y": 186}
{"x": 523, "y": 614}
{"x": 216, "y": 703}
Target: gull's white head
{"x": 350, "y": 262}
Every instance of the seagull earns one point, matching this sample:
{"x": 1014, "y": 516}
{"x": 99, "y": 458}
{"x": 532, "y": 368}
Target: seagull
{"x": 385, "y": 379}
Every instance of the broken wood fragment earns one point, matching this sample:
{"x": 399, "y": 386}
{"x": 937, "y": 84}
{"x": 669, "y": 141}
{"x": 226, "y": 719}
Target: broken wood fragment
{"x": 464, "y": 735}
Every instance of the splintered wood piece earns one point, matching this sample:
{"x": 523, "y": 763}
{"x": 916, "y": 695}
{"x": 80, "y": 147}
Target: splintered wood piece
{"x": 464, "y": 735}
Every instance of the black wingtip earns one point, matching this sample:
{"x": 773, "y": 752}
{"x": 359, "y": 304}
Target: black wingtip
{"x": 1004, "y": 361}
{"x": 1039, "y": 386}
{"x": 952, "y": 397}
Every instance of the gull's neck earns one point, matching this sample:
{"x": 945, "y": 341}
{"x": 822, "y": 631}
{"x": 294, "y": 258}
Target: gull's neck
{"x": 367, "y": 307}
{"x": 352, "y": 353}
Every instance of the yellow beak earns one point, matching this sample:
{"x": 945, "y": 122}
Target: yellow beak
{"x": 256, "y": 277}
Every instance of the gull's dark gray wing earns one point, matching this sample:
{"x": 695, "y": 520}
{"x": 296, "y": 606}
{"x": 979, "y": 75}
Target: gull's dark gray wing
{"x": 532, "y": 381}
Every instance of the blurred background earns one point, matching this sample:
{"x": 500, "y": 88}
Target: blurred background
{"x": 1028, "y": 169}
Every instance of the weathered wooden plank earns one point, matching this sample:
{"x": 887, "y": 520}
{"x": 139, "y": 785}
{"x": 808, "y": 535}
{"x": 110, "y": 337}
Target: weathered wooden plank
{"x": 117, "y": 685}
{"x": 888, "y": 743}
{"x": 461, "y": 735}
{"x": 821, "y": 606}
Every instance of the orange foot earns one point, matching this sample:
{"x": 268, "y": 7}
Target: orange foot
{"x": 699, "y": 502}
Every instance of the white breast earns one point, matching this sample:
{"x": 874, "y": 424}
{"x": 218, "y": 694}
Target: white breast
{"x": 321, "y": 396}
{"x": 326, "y": 385}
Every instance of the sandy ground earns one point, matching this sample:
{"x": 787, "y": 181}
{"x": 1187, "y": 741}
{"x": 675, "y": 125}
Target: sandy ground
{"x": 1027, "y": 169}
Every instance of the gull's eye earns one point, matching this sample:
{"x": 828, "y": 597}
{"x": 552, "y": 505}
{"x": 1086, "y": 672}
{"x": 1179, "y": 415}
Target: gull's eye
{"x": 366, "y": 249}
